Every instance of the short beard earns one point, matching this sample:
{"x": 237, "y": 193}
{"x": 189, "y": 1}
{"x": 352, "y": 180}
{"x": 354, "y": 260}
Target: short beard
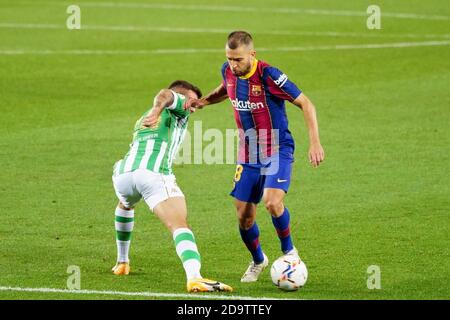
{"x": 243, "y": 73}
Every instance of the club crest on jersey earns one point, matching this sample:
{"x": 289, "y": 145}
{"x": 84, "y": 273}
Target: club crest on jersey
{"x": 256, "y": 90}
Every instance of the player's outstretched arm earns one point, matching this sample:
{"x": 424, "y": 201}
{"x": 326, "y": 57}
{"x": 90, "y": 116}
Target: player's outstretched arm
{"x": 217, "y": 95}
{"x": 162, "y": 100}
{"x": 316, "y": 152}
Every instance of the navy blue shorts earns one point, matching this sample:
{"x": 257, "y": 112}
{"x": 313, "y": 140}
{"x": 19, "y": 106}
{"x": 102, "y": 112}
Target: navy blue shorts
{"x": 250, "y": 181}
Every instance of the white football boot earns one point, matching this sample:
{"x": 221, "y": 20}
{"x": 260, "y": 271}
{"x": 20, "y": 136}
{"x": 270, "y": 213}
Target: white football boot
{"x": 293, "y": 252}
{"x": 254, "y": 270}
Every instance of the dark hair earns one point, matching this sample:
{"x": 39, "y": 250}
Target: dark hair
{"x": 238, "y": 38}
{"x": 186, "y": 85}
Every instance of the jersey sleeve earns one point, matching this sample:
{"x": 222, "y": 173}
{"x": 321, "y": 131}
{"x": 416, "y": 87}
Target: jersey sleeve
{"x": 223, "y": 70}
{"x": 177, "y": 106}
{"x": 279, "y": 84}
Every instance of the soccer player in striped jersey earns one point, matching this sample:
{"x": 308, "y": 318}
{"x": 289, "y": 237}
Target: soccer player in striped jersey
{"x": 146, "y": 172}
{"x": 257, "y": 92}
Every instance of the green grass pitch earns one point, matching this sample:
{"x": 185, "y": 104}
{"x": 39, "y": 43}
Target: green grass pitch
{"x": 380, "y": 198}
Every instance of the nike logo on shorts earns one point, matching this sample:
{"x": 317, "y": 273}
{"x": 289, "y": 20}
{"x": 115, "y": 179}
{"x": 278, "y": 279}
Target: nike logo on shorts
{"x": 280, "y": 181}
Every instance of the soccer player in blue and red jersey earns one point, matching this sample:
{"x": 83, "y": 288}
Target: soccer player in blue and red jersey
{"x": 257, "y": 92}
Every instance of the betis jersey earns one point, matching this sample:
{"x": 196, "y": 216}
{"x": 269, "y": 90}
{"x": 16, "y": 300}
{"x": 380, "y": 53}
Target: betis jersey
{"x": 155, "y": 148}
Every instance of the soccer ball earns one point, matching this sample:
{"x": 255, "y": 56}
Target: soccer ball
{"x": 289, "y": 273}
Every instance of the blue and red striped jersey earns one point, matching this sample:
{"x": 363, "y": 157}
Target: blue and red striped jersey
{"x": 258, "y": 100}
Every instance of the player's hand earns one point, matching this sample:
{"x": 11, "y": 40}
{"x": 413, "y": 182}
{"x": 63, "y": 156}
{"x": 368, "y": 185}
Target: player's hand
{"x": 316, "y": 154}
{"x": 193, "y": 104}
{"x": 152, "y": 119}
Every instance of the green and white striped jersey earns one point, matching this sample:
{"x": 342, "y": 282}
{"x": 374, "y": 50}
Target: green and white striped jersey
{"x": 155, "y": 148}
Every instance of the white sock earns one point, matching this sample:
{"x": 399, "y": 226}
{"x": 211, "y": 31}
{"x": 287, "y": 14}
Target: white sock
{"x": 188, "y": 252}
{"x": 124, "y": 223}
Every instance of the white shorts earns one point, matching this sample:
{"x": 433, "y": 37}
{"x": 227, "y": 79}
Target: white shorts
{"x": 154, "y": 187}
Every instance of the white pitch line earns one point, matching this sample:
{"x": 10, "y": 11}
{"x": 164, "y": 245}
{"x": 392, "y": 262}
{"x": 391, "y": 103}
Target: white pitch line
{"x": 126, "y": 28}
{"x": 365, "y": 46}
{"x": 193, "y": 51}
{"x": 243, "y": 9}
{"x": 138, "y": 294}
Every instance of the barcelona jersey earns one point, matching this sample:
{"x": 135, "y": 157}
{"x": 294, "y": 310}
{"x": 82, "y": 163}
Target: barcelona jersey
{"x": 258, "y": 100}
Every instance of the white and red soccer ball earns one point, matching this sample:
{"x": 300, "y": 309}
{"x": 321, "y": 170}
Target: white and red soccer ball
{"x": 289, "y": 273}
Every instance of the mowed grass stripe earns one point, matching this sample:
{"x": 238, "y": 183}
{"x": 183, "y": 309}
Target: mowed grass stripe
{"x": 131, "y": 28}
{"x": 247, "y": 9}
{"x": 183, "y": 51}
